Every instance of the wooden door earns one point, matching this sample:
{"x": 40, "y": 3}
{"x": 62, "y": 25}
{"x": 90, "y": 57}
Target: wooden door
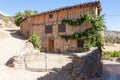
{"x": 51, "y": 45}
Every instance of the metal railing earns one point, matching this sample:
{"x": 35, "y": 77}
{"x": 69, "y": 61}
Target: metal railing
{"x": 46, "y": 62}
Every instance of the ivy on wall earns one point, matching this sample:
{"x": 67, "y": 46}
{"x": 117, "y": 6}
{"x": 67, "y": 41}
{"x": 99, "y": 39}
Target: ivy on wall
{"x": 92, "y": 35}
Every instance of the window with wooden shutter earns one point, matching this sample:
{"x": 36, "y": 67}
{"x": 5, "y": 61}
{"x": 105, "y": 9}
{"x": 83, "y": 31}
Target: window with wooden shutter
{"x": 48, "y": 29}
{"x": 50, "y": 15}
{"x": 80, "y": 43}
{"x": 61, "y": 28}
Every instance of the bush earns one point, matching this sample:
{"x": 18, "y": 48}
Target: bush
{"x": 35, "y": 40}
{"x": 86, "y": 47}
{"x": 107, "y": 54}
{"x": 6, "y": 19}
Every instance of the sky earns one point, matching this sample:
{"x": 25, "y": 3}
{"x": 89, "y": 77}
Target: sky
{"x": 111, "y": 8}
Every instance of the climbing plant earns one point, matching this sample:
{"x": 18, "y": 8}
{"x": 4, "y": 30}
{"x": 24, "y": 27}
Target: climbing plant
{"x": 92, "y": 35}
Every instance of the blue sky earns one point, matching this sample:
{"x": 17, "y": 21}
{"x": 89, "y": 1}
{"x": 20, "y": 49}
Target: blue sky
{"x": 110, "y": 7}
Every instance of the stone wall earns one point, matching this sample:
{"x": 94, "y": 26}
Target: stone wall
{"x": 36, "y": 24}
{"x": 85, "y": 65}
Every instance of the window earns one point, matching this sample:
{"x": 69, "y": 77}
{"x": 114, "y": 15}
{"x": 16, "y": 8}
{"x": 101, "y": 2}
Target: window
{"x": 80, "y": 43}
{"x": 61, "y": 28}
{"x": 48, "y": 29}
{"x": 50, "y": 15}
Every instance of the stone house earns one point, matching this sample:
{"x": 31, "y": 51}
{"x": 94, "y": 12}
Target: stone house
{"x": 48, "y": 26}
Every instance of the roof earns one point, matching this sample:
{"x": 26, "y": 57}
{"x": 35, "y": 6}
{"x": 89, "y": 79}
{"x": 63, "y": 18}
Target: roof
{"x": 96, "y": 3}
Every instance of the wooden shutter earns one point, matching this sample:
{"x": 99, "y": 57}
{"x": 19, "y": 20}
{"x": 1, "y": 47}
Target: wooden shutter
{"x": 61, "y": 28}
{"x": 48, "y": 29}
{"x": 50, "y": 15}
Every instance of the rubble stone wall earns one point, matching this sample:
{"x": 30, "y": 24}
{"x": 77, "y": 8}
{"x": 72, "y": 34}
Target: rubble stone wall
{"x": 85, "y": 65}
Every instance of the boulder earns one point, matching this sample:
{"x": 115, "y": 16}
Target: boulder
{"x": 17, "y": 61}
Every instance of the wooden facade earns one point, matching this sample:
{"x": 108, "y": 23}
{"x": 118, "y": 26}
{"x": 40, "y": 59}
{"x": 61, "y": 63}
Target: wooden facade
{"x": 48, "y": 26}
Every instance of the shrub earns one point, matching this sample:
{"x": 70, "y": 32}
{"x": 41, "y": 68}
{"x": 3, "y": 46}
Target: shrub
{"x": 107, "y": 54}
{"x": 6, "y": 19}
{"x": 86, "y": 47}
{"x": 35, "y": 40}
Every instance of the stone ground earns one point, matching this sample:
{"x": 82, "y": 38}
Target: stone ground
{"x": 10, "y": 44}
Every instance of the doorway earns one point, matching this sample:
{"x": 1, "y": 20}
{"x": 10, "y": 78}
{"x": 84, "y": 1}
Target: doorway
{"x": 51, "y": 45}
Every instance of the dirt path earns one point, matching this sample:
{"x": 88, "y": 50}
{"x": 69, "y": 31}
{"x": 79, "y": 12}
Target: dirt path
{"x": 10, "y": 44}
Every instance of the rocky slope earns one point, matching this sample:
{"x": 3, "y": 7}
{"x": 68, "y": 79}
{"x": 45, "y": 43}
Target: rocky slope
{"x": 112, "y": 36}
{"x": 3, "y": 23}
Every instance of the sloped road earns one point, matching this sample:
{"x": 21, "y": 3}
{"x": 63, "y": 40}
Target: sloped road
{"x": 114, "y": 69}
{"x": 9, "y": 45}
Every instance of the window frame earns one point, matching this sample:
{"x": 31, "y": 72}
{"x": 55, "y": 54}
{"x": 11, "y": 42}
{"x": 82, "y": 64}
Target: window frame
{"x": 80, "y": 43}
{"x": 50, "y": 15}
{"x": 48, "y": 28}
{"x": 61, "y": 28}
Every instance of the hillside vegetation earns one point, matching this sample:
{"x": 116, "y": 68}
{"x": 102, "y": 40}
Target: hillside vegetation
{"x": 112, "y": 37}
{"x": 6, "y": 21}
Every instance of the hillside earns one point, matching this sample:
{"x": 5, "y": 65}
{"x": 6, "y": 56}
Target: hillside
{"x": 112, "y": 41}
{"x": 6, "y": 21}
{"x": 112, "y": 37}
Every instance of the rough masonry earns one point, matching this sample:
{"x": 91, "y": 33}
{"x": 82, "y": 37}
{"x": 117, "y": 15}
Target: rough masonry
{"x": 85, "y": 66}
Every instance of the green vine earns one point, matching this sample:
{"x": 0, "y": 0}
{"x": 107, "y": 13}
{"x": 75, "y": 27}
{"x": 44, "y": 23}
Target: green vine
{"x": 92, "y": 35}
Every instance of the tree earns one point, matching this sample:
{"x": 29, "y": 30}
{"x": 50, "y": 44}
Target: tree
{"x": 35, "y": 11}
{"x": 19, "y": 15}
{"x": 28, "y": 12}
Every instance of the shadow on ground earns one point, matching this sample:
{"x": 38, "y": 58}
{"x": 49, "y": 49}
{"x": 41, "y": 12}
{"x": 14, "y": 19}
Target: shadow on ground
{"x": 16, "y": 34}
{"x": 105, "y": 75}
{"x": 63, "y": 75}
{"x": 55, "y": 76}
{"x": 115, "y": 68}
{"x": 12, "y": 31}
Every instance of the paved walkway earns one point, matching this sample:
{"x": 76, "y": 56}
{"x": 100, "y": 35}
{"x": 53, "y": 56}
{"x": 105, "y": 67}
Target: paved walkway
{"x": 114, "y": 69}
{"x": 111, "y": 71}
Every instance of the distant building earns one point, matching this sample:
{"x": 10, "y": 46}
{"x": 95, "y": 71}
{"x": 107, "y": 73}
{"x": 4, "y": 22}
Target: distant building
{"x": 48, "y": 26}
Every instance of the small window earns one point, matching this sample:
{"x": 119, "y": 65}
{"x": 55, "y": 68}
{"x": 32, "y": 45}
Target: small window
{"x": 80, "y": 43}
{"x": 61, "y": 28}
{"x": 48, "y": 29}
{"x": 50, "y": 15}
